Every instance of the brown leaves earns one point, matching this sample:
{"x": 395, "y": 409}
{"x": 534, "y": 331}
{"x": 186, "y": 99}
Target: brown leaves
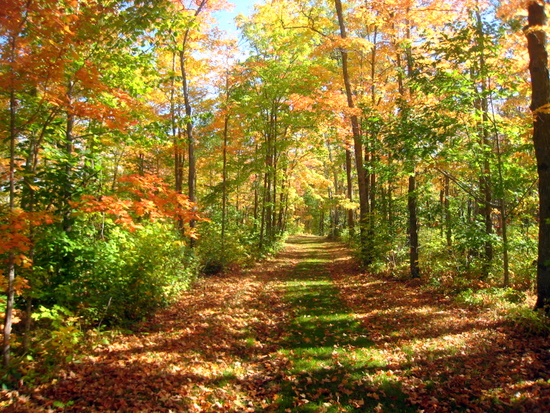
{"x": 211, "y": 352}
{"x": 448, "y": 358}
{"x": 216, "y": 350}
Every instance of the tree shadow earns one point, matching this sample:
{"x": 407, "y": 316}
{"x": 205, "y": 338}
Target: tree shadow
{"x": 449, "y": 358}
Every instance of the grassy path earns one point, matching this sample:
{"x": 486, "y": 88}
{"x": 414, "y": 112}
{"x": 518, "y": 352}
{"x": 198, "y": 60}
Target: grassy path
{"x": 333, "y": 363}
{"x": 304, "y": 332}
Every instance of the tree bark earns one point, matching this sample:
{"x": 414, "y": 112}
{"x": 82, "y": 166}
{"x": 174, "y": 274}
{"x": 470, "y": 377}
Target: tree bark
{"x": 540, "y": 85}
{"x": 482, "y": 105}
{"x": 66, "y": 222}
{"x": 176, "y": 134}
{"x": 357, "y": 145}
{"x": 10, "y": 299}
{"x": 224, "y": 182}
{"x": 413, "y": 227}
{"x": 447, "y": 211}
{"x": 192, "y": 172}
{"x": 349, "y": 189}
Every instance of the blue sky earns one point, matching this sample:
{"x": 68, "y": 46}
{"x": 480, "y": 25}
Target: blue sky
{"x": 225, "y": 18}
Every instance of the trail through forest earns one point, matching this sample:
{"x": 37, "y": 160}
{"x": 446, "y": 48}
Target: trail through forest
{"x": 306, "y": 331}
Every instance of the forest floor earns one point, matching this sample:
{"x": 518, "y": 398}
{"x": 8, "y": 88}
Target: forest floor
{"x": 306, "y": 331}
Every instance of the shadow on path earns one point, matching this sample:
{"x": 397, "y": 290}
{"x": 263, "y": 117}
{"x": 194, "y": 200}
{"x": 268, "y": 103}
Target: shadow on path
{"x": 333, "y": 364}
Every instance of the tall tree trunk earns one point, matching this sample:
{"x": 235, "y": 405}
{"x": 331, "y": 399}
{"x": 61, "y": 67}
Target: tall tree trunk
{"x": 540, "y": 82}
{"x": 224, "y": 182}
{"x": 10, "y": 299}
{"x": 192, "y": 170}
{"x": 176, "y": 134}
{"x": 66, "y": 218}
{"x": 191, "y": 177}
{"x": 413, "y": 227}
{"x": 503, "y": 212}
{"x": 447, "y": 210}
{"x": 349, "y": 191}
{"x": 268, "y": 202}
{"x": 366, "y": 254}
{"x": 482, "y": 105}
{"x": 264, "y": 213}
{"x": 412, "y": 197}
{"x": 275, "y": 158}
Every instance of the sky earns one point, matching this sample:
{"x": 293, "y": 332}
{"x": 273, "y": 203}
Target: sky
{"x": 226, "y": 18}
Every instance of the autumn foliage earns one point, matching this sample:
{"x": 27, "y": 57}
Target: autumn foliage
{"x": 153, "y": 200}
{"x": 143, "y": 148}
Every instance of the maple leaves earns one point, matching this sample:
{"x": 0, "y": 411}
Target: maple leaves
{"x": 154, "y": 200}
{"x": 15, "y": 229}
{"x": 209, "y": 352}
{"x": 445, "y": 357}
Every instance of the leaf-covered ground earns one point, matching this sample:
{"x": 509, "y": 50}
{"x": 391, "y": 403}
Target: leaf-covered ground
{"x": 305, "y": 332}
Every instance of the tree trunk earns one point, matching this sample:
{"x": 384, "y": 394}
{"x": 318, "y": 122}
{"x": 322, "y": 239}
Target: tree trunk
{"x": 176, "y": 134}
{"x": 66, "y": 218}
{"x": 357, "y": 145}
{"x": 191, "y": 177}
{"x": 349, "y": 183}
{"x": 192, "y": 172}
{"x": 10, "y": 299}
{"x": 412, "y": 197}
{"x": 447, "y": 211}
{"x": 224, "y": 182}
{"x": 413, "y": 227}
{"x": 482, "y": 105}
{"x": 540, "y": 82}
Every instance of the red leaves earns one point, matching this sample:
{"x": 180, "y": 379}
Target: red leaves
{"x": 211, "y": 352}
{"x": 216, "y": 350}
{"x": 150, "y": 198}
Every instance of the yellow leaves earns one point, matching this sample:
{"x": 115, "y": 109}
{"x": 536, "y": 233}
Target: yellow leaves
{"x": 349, "y": 44}
{"x": 360, "y": 44}
{"x": 542, "y": 109}
{"x": 349, "y": 205}
{"x": 20, "y": 284}
{"x": 67, "y": 29}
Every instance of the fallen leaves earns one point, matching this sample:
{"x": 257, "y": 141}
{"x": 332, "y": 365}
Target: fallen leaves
{"x": 446, "y": 357}
{"x": 220, "y": 350}
{"x": 210, "y": 352}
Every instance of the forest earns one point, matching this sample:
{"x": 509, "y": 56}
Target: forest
{"x": 145, "y": 149}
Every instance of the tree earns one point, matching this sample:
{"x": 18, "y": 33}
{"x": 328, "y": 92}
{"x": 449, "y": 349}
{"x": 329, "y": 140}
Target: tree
{"x": 364, "y": 216}
{"x": 540, "y": 81}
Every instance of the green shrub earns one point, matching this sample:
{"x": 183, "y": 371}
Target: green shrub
{"x": 59, "y": 335}
{"x": 118, "y": 278}
{"x": 528, "y": 321}
{"x": 492, "y": 296}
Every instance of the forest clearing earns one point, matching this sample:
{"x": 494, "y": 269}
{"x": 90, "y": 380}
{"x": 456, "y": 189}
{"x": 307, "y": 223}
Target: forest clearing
{"x": 156, "y": 167}
{"x": 307, "y": 331}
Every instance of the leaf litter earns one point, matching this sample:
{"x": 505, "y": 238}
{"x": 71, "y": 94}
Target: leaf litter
{"x": 267, "y": 339}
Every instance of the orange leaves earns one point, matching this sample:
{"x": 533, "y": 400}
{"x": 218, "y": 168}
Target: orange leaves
{"x": 14, "y": 232}
{"x": 150, "y": 198}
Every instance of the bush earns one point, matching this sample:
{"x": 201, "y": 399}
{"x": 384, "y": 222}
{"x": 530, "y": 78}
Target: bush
{"x": 492, "y": 296}
{"x": 529, "y": 321}
{"x": 60, "y": 336}
{"x": 215, "y": 256}
{"x": 118, "y": 278}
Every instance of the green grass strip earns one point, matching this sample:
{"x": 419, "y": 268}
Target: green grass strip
{"x": 335, "y": 366}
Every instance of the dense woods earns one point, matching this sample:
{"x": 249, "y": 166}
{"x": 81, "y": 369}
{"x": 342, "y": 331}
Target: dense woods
{"x": 141, "y": 148}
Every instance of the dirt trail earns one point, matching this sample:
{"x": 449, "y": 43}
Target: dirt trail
{"x": 306, "y": 331}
